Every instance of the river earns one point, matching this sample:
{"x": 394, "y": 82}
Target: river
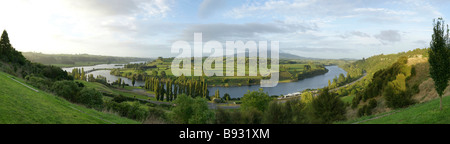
{"x": 315, "y": 82}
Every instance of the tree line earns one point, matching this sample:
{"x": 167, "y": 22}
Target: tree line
{"x": 170, "y": 88}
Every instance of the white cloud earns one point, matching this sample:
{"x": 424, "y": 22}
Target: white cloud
{"x": 389, "y": 36}
{"x": 81, "y": 26}
{"x": 210, "y": 7}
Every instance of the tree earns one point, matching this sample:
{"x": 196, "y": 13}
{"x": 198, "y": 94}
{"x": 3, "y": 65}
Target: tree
{"x": 83, "y": 75}
{"x": 156, "y": 89}
{"x": 217, "y": 94}
{"x": 328, "y": 108}
{"x": 307, "y": 67}
{"x": 91, "y": 78}
{"x": 155, "y": 73}
{"x": 133, "y": 81}
{"x": 66, "y": 89}
{"x": 341, "y": 79}
{"x": 91, "y": 98}
{"x": 439, "y": 57}
{"x": 192, "y": 111}
{"x": 226, "y": 97}
{"x": 255, "y": 99}
{"x": 163, "y": 74}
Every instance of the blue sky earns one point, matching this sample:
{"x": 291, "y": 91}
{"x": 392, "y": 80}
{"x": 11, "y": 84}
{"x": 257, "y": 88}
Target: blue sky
{"x": 147, "y": 28}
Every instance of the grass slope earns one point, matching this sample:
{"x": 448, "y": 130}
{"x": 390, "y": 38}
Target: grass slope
{"x": 424, "y": 113}
{"x": 21, "y": 105}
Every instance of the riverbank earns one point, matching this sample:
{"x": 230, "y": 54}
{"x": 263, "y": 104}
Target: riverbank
{"x": 284, "y": 86}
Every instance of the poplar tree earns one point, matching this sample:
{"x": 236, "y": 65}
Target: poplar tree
{"x": 439, "y": 57}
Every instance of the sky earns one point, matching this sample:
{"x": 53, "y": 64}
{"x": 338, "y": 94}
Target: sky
{"x": 148, "y": 28}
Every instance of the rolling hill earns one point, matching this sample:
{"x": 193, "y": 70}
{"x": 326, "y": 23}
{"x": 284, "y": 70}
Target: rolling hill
{"x": 22, "y": 105}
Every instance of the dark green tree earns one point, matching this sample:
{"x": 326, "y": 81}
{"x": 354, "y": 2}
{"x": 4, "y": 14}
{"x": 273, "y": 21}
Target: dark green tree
{"x": 328, "y": 108}
{"x": 439, "y": 57}
{"x": 255, "y": 99}
{"x": 133, "y": 81}
{"x": 163, "y": 74}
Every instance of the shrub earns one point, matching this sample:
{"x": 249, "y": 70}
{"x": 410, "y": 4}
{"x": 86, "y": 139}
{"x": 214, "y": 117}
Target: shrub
{"x": 367, "y": 110}
{"x": 327, "y": 108}
{"x": 372, "y": 103}
{"x": 66, "y": 89}
{"x": 396, "y": 99}
{"x": 120, "y": 98}
{"x": 255, "y": 99}
{"x": 138, "y": 112}
{"x": 156, "y": 113}
{"x": 191, "y": 111}
{"x": 251, "y": 116}
{"x": 361, "y": 112}
{"x": 217, "y": 100}
{"x": 223, "y": 117}
{"x": 151, "y": 104}
{"x": 134, "y": 111}
{"x": 274, "y": 114}
{"x": 90, "y": 98}
{"x": 38, "y": 82}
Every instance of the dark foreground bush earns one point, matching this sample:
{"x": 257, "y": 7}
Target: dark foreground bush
{"x": 134, "y": 111}
{"x": 90, "y": 98}
{"x": 328, "y": 108}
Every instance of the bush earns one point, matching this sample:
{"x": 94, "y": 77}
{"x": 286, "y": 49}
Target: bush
{"x": 157, "y": 113}
{"x": 396, "y": 99}
{"x": 372, "y": 103}
{"x": 138, "y": 112}
{"x": 251, "y": 116}
{"x": 66, "y": 89}
{"x": 217, "y": 100}
{"x": 367, "y": 110}
{"x": 327, "y": 108}
{"x": 90, "y": 98}
{"x": 151, "y": 104}
{"x": 256, "y": 99}
{"x": 120, "y": 98}
{"x": 39, "y": 82}
{"x": 291, "y": 112}
{"x": 223, "y": 117}
{"x": 134, "y": 111}
{"x": 192, "y": 111}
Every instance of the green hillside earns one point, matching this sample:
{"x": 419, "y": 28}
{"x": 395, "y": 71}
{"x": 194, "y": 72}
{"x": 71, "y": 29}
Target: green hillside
{"x": 21, "y": 105}
{"x": 424, "y": 113}
{"x": 69, "y": 60}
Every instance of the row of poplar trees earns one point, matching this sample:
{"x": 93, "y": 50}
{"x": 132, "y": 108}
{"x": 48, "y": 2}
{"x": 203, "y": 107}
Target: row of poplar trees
{"x": 168, "y": 89}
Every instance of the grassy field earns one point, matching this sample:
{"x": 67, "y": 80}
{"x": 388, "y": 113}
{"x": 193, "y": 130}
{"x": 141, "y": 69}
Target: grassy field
{"x": 424, "y": 113}
{"x": 288, "y": 72}
{"x": 118, "y": 91}
{"x": 21, "y": 105}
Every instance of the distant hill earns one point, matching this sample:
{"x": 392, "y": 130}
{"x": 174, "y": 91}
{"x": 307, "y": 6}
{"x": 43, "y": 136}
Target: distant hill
{"x": 291, "y": 56}
{"x": 68, "y": 60}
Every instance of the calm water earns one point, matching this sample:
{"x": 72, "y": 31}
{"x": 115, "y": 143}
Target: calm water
{"x": 282, "y": 88}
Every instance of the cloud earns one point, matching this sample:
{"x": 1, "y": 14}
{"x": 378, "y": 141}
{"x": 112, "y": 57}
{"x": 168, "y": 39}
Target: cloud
{"x": 310, "y": 8}
{"x": 121, "y": 7}
{"x": 389, "y": 36}
{"x": 355, "y": 33}
{"x": 310, "y": 49}
{"x": 222, "y": 31}
{"x": 209, "y": 7}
